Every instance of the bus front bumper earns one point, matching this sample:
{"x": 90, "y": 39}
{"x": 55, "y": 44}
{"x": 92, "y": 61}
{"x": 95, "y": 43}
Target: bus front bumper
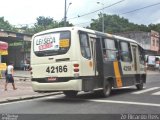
{"x": 57, "y": 86}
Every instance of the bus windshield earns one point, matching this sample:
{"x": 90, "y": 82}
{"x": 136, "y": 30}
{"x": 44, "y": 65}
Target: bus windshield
{"x": 50, "y": 44}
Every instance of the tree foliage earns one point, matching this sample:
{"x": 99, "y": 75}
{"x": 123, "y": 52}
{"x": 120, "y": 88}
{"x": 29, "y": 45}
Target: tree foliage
{"x": 44, "y": 23}
{"x": 112, "y": 24}
{"x": 155, "y": 27}
{"x": 5, "y": 25}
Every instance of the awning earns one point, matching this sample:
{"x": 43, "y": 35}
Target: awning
{"x": 3, "y": 48}
{"x": 3, "y": 45}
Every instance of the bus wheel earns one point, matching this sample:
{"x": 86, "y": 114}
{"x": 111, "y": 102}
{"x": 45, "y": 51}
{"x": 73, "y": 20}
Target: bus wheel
{"x": 106, "y": 90}
{"x": 140, "y": 85}
{"x": 70, "y": 93}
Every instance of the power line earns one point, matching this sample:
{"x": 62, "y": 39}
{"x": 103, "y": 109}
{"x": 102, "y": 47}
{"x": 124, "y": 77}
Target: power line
{"x": 23, "y": 25}
{"x": 137, "y": 9}
{"x": 83, "y": 23}
{"x": 97, "y": 10}
{"x": 140, "y": 8}
{"x": 105, "y": 8}
{"x": 88, "y": 13}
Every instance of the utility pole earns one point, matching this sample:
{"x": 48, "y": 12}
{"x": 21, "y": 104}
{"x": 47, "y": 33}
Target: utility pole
{"x": 65, "y": 12}
{"x": 102, "y": 14}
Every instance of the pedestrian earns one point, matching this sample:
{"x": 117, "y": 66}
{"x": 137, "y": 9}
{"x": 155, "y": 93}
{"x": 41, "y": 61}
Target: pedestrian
{"x": 9, "y": 76}
{"x": 159, "y": 65}
{"x": 25, "y": 64}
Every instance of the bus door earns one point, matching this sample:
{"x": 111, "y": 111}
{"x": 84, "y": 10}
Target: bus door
{"x": 88, "y": 63}
{"x": 93, "y": 52}
{"x": 86, "y": 58}
{"x": 135, "y": 57}
{"x": 96, "y": 58}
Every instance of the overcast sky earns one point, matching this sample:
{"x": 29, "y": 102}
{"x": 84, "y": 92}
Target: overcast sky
{"x": 19, "y": 12}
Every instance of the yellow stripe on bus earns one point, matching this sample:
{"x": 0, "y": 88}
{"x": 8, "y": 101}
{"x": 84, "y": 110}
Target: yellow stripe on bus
{"x": 117, "y": 74}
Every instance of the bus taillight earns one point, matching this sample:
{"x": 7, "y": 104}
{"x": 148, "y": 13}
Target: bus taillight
{"x": 76, "y": 65}
{"x": 76, "y": 70}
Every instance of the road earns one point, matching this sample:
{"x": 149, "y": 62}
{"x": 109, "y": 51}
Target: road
{"x": 122, "y": 103}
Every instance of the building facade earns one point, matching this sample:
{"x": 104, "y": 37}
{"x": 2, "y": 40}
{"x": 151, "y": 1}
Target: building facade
{"x": 18, "y": 47}
{"x": 155, "y": 42}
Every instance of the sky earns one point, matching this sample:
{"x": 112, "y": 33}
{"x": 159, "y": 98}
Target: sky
{"x": 22, "y": 12}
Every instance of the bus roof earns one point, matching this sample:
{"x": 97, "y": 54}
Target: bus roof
{"x": 89, "y": 31}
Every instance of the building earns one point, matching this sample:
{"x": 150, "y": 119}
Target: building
{"x": 155, "y": 41}
{"x": 18, "y": 47}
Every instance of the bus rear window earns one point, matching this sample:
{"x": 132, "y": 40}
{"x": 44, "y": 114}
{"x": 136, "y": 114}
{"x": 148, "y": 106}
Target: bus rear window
{"x": 52, "y": 43}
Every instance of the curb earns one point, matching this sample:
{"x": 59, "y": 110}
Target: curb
{"x": 27, "y": 97}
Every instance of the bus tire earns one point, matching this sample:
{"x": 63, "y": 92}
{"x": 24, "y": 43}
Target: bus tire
{"x": 140, "y": 85}
{"x": 70, "y": 93}
{"x": 106, "y": 90}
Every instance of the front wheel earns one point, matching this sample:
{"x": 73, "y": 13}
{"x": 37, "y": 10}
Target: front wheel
{"x": 70, "y": 93}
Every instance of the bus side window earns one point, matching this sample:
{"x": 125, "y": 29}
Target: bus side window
{"x": 109, "y": 49}
{"x": 141, "y": 55}
{"x": 84, "y": 44}
{"x": 125, "y": 52}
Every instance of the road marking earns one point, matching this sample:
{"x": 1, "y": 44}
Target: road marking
{"x": 126, "y": 102}
{"x": 156, "y": 93}
{"x": 108, "y": 101}
{"x": 90, "y": 100}
{"x": 146, "y": 90}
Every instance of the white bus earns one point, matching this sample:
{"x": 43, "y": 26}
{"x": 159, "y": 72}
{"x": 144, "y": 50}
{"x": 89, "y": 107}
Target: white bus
{"x": 73, "y": 59}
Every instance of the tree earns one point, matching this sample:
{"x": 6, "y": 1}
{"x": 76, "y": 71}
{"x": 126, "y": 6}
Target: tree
{"x": 44, "y": 23}
{"x": 155, "y": 27}
{"x": 114, "y": 24}
{"x": 5, "y": 25}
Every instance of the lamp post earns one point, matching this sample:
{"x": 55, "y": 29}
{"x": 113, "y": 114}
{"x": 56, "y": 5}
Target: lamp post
{"x": 102, "y": 15}
{"x": 65, "y": 11}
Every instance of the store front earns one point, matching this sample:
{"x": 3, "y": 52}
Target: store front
{"x": 18, "y": 48}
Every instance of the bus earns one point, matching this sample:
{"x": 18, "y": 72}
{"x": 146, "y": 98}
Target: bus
{"x": 74, "y": 59}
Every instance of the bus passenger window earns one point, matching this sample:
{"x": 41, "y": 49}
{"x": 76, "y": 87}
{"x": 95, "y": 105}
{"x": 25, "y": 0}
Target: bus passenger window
{"x": 84, "y": 44}
{"x": 109, "y": 50}
{"x": 141, "y": 55}
{"x": 125, "y": 52}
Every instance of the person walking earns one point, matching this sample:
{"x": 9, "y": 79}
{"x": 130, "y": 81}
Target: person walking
{"x": 9, "y": 76}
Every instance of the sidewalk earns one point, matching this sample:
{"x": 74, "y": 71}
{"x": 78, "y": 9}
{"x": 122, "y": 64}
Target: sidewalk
{"x": 24, "y": 88}
{"x": 150, "y": 72}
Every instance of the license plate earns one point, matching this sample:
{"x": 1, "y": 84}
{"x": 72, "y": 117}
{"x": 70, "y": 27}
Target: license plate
{"x": 52, "y": 78}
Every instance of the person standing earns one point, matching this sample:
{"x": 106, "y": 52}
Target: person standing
{"x": 9, "y": 76}
{"x": 159, "y": 65}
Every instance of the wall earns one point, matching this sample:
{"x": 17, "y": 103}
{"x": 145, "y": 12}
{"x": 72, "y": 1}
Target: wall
{"x": 154, "y": 41}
